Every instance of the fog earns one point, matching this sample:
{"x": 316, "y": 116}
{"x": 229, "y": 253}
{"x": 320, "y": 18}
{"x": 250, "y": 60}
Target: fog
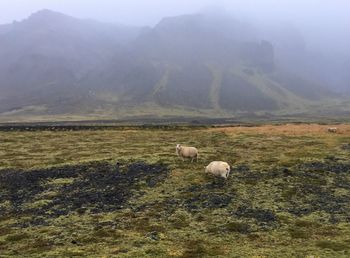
{"x": 321, "y": 20}
{"x": 149, "y": 12}
{"x": 300, "y": 46}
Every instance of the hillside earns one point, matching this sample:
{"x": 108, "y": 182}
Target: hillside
{"x": 44, "y": 57}
{"x": 53, "y": 65}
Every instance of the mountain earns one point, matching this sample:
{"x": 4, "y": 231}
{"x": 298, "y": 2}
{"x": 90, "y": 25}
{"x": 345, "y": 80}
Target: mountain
{"x": 54, "y": 64}
{"x": 205, "y": 62}
{"x": 48, "y": 53}
{"x": 322, "y": 60}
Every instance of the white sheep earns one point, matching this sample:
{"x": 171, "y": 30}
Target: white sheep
{"x": 218, "y": 168}
{"x": 332, "y": 129}
{"x": 187, "y": 152}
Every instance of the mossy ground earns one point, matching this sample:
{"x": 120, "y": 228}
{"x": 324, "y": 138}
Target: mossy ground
{"x": 288, "y": 194}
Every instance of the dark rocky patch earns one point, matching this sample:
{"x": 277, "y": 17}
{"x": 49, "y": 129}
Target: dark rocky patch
{"x": 207, "y": 200}
{"x": 341, "y": 182}
{"x": 260, "y": 215}
{"x": 97, "y": 187}
{"x": 242, "y": 168}
{"x": 346, "y": 146}
{"x": 153, "y": 235}
{"x": 325, "y": 167}
{"x": 210, "y": 196}
{"x": 314, "y": 186}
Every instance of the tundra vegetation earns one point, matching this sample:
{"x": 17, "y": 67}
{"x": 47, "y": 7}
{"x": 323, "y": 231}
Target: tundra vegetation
{"x": 122, "y": 192}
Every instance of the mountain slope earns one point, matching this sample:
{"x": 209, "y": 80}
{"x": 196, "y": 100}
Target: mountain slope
{"x": 56, "y": 64}
{"x": 184, "y": 59}
{"x": 53, "y": 51}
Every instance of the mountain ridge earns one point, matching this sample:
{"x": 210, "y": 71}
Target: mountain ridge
{"x": 200, "y": 63}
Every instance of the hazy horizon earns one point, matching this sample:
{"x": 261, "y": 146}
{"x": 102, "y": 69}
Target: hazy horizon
{"x": 317, "y": 21}
{"x": 142, "y": 13}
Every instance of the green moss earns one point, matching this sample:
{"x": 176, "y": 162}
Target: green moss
{"x": 17, "y": 237}
{"x": 41, "y": 245}
{"x": 299, "y": 233}
{"x": 333, "y": 245}
{"x": 72, "y": 253}
{"x": 180, "y": 219}
{"x": 289, "y": 193}
{"x": 37, "y": 204}
{"x": 61, "y": 181}
{"x": 5, "y": 231}
{"x": 237, "y": 227}
{"x": 306, "y": 224}
{"x": 200, "y": 248}
{"x": 102, "y": 233}
{"x": 5, "y": 205}
{"x": 274, "y": 204}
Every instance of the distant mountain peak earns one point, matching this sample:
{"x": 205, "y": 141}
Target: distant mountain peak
{"x": 46, "y": 15}
{"x": 203, "y": 19}
{"x": 181, "y": 20}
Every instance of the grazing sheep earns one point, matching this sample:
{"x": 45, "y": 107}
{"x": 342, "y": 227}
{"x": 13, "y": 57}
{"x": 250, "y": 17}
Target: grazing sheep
{"x": 332, "y": 129}
{"x": 218, "y": 168}
{"x": 187, "y": 152}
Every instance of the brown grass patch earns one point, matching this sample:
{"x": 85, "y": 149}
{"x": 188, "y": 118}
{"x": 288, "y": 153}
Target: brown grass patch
{"x": 286, "y": 129}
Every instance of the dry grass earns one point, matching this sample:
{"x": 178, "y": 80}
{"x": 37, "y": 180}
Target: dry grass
{"x": 235, "y": 144}
{"x": 275, "y": 204}
{"x": 288, "y": 129}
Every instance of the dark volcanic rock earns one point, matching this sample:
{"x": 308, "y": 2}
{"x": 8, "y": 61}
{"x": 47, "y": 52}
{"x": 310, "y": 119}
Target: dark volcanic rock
{"x": 210, "y": 196}
{"x": 258, "y": 214}
{"x": 346, "y": 146}
{"x": 208, "y": 200}
{"x": 98, "y": 187}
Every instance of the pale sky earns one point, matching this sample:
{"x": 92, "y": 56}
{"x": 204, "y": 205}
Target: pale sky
{"x": 149, "y": 12}
{"x": 324, "y": 22}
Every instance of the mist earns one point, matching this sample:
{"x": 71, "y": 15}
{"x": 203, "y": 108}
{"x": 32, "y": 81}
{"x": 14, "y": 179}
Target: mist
{"x": 134, "y": 12}
{"x": 317, "y": 20}
{"x": 231, "y": 56}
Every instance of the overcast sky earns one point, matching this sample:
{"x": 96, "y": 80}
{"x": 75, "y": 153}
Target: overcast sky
{"x": 323, "y": 22}
{"x": 149, "y": 12}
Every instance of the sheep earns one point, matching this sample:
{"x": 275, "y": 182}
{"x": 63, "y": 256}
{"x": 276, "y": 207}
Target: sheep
{"x": 218, "y": 168}
{"x": 187, "y": 152}
{"x": 332, "y": 129}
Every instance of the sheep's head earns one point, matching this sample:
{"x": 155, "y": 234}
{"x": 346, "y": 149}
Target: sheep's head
{"x": 178, "y": 147}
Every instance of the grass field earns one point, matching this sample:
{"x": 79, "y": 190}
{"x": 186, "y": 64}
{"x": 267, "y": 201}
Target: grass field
{"x": 123, "y": 192}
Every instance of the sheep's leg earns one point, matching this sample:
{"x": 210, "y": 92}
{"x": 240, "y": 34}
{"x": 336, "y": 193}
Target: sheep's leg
{"x": 227, "y": 173}
{"x": 191, "y": 160}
